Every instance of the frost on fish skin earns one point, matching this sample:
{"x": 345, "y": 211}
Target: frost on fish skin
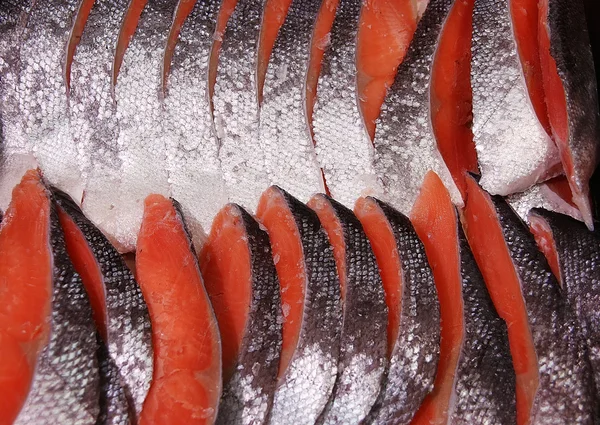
{"x": 285, "y": 139}
{"x": 405, "y": 145}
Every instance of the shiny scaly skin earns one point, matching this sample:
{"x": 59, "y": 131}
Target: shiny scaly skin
{"x": 309, "y": 379}
{"x": 513, "y": 149}
{"x": 93, "y": 112}
{"x": 236, "y": 107}
{"x": 114, "y": 408}
{"x": 140, "y": 112}
{"x": 284, "y": 130}
{"x": 248, "y": 396}
{"x": 129, "y": 333}
{"x": 565, "y": 393}
{"x": 13, "y": 15}
{"x": 195, "y": 175}
{"x": 405, "y": 146}
{"x": 578, "y": 252}
{"x": 66, "y": 383}
{"x": 485, "y": 377}
{"x": 415, "y": 354}
{"x": 348, "y": 166}
{"x": 570, "y": 48}
{"x": 363, "y": 349}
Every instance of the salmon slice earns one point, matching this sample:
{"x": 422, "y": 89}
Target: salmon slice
{"x": 186, "y": 385}
{"x": 451, "y": 96}
{"x": 413, "y": 326}
{"x": 573, "y": 253}
{"x": 311, "y": 307}
{"x": 405, "y": 144}
{"x": 118, "y": 307}
{"x": 571, "y": 94}
{"x": 49, "y": 367}
{"x": 475, "y": 381}
{"x": 514, "y": 149}
{"x": 241, "y": 281}
{"x": 544, "y": 338}
{"x": 385, "y": 31}
{"x": 83, "y": 11}
{"x": 128, "y": 28}
{"x": 363, "y": 360}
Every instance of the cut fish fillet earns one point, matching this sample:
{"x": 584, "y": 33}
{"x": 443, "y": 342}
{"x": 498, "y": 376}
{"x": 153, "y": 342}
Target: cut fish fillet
{"x": 363, "y": 360}
{"x": 414, "y": 315}
{"x": 311, "y": 307}
{"x": 241, "y": 281}
{"x": 186, "y": 386}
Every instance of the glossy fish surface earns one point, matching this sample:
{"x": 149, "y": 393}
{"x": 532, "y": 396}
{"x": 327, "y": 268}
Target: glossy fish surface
{"x": 405, "y": 145}
{"x": 119, "y": 308}
{"x": 241, "y": 280}
{"x": 49, "y": 337}
{"x": 363, "y": 360}
{"x": 311, "y": 306}
{"x": 414, "y": 315}
{"x": 573, "y": 253}
{"x": 514, "y": 149}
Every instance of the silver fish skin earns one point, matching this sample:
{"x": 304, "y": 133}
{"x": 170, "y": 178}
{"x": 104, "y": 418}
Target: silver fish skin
{"x": 513, "y": 149}
{"x": 284, "y": 128}
{"x": 140, "y": 113}
{"x": 565, "y": 392}
{"x": 39, "y": 125}
{"x": 114, "y": 408}
{"x": 570, "y": 49}
{"x": 248, "y": 395}
{"x": 405, "y": 146}
{"x": 308, "y": 381}
{"x": 236, "y": 107}
{"x": 93, "y": 112}
{"x": 363, "y": 351}
{"x": 347, "y": 167}
{"x": 128, "y": 328}
{"x": 485, "y": 378}
{"x": 415, "y": 353}
{"x": 66, "y": 381}
{"x": 193, "y": 165}
{"x": 15, "y": 157}
{"x": 578, "y": 254}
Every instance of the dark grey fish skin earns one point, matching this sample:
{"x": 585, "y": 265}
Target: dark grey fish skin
{"x": 513, "y": 149}
{"x": 193, "y": 165}
{"x": 114, "y": 407}
{"x": 128, "y": 328}
{"x": 347, "y": 167}
{"x": 236, "y": 107}
{"x": 415, "y": 355}
{"x": 565, "y": 392}
{"x": 363, "y": 349}
{"x": 248, "y": 395}
{"x": 309, "y": 379}
{"x": 284, "y": 132}
{"x": 93, "y": 112}
{"x": 141, "y": 141}
{"x": 485, "y": 378}
{"x": 65, "y": 386}
{"x": 405, "y": 146}
{"x": 578, "y": 254}
{"x": 570, "y": 48}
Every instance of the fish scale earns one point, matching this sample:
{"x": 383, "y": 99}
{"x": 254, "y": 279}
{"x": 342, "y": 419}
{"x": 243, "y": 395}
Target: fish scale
{"x": 578, "y": 254}
{"x": 129, "y": 333}
{"x": 236, "y": 106}
{"x": 66, "y": 380}
{"x": 193, "y": 165}
{"x": 513, "y": 149}
{"x": 284, "y": 130}
{"x": 93, "y": 112}
{"x": 561, "y": 355}
{"x": 141, "y": 143}
{"x": 405, "y": 146}
{"x": 347, "y": 167}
